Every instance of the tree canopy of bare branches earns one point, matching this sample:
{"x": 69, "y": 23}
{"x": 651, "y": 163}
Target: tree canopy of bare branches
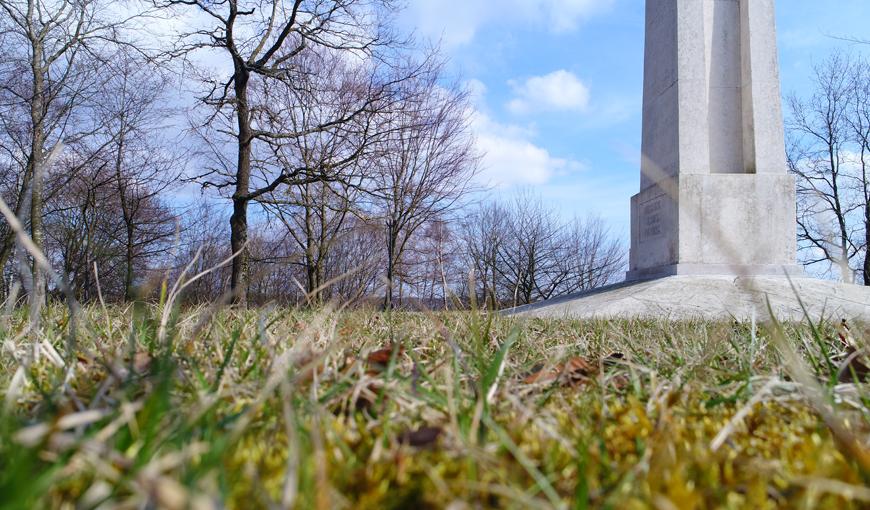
{"x": 280, "y": 48}
{"x": 522, "y": 252}
{"x": 425, "y": 169}
{"x": 53, "y": 50}
{"x": 828, "y": 152}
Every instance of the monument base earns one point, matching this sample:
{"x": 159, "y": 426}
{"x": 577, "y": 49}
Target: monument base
{"x": 708, "y": 297}
{"x": 740, "y": 224}
{"x": 792, "y": 271}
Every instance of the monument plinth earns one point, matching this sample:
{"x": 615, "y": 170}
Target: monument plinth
{"x": 716, "y": 196}
{"x": 713, "y": 230}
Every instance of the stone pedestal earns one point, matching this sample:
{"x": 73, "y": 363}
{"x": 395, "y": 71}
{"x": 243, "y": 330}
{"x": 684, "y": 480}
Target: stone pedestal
{"x": 725, "y": 224}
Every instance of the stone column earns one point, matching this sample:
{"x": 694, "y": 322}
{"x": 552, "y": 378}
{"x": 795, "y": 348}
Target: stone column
{"x": 716, "y": 196}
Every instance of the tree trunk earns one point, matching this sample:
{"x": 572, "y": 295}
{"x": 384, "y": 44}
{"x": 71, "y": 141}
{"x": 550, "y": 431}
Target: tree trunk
{"x": 129, "y": 295}
{"x": 391, "y": 266}
{"x": 7, "y": 246}
{"x": 322, "y": 246}
{"x": 865, "y": 184}
{"x": 239, "y": 218}
{"x": 129, "y": 220}
{"x": 37, "y": 171}
{"x": 313, "y": 283}
{"x": 867, "y": 244}
{"x": 493, "y": 287}
{"x": 238, "y": 239}
{"x": 311, "y": 262}
{"x": 388, "y": 294}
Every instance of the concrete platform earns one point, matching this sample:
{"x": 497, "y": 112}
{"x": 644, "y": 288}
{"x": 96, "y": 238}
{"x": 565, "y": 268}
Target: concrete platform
{"x": 712, "y": 298}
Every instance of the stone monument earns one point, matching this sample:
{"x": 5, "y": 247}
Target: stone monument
{"x": 713, "y": 230}
{"x": 716, "y": 196}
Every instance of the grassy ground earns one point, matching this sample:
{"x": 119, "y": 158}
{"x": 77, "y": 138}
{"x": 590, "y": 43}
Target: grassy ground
{"x": 279, "y": 409}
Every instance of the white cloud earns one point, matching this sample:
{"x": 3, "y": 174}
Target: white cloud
{"x": 477, "y": 91}
{"x": 565, "y": 15}
{"x": 557, "y": 91}
{"x": 456, "y": 22}
{"x": 512, "y": 159}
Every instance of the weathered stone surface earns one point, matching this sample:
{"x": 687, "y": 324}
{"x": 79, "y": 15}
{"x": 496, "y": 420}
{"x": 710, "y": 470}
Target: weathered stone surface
{"x": 713, "y": 297}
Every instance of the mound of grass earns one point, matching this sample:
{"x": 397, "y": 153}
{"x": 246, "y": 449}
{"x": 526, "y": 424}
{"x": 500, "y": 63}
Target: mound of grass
{"x": 149, "y": 407}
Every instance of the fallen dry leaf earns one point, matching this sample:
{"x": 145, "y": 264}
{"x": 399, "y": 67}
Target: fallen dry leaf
{"x": 612, "y": 359}
{"x": 620, "y": 382}
{"x": 540, "y": 375}
{"x": 422, "y": 437}
{"x": 307, "y": 364}
{"x": 142, "y": 362}
{"x": 576, "y": 370}
{"x": 378, "y": 360}
{"x": 846, "y": 337}
{"x": 855, "y": 366}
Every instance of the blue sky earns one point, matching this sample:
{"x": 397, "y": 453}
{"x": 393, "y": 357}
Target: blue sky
{"x": 558, "y": 86}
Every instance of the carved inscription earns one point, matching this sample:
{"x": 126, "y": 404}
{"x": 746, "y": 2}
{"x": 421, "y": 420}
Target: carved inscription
{"x": 651, "y": 219}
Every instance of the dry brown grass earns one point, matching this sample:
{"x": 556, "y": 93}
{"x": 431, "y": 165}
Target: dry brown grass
{"x": 335, "y": 409}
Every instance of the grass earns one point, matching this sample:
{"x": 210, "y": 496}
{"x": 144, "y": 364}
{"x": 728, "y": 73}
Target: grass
{"x": 278, "y": 408}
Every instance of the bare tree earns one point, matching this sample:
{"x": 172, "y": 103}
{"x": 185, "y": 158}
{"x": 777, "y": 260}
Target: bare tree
{"x": 425, "y": 168}
{"x": 271, "y": 281}
{"x": 315, "y": 217}
{"x": 48, "y": 73}
{"x": 315, "y": 210}
{"x": 483, "y": 234}
{"x": 591, "y": 256}
{"x": 523, "y": 252}
{"x": 819, "y": 155}
{"x": 269, "y": 42}
{"x": 143, "y": 162}
{"x": 103, "y": 206}
{"x": 859, "y": 126}
{"x": 528, "y": 259}
{"x": 106, "y": 223}
{"x": 202, "y": 244}
{"x": 355, "y": 260}
{"x": 80, "y": 225}
{"x": 438, "y": 259}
